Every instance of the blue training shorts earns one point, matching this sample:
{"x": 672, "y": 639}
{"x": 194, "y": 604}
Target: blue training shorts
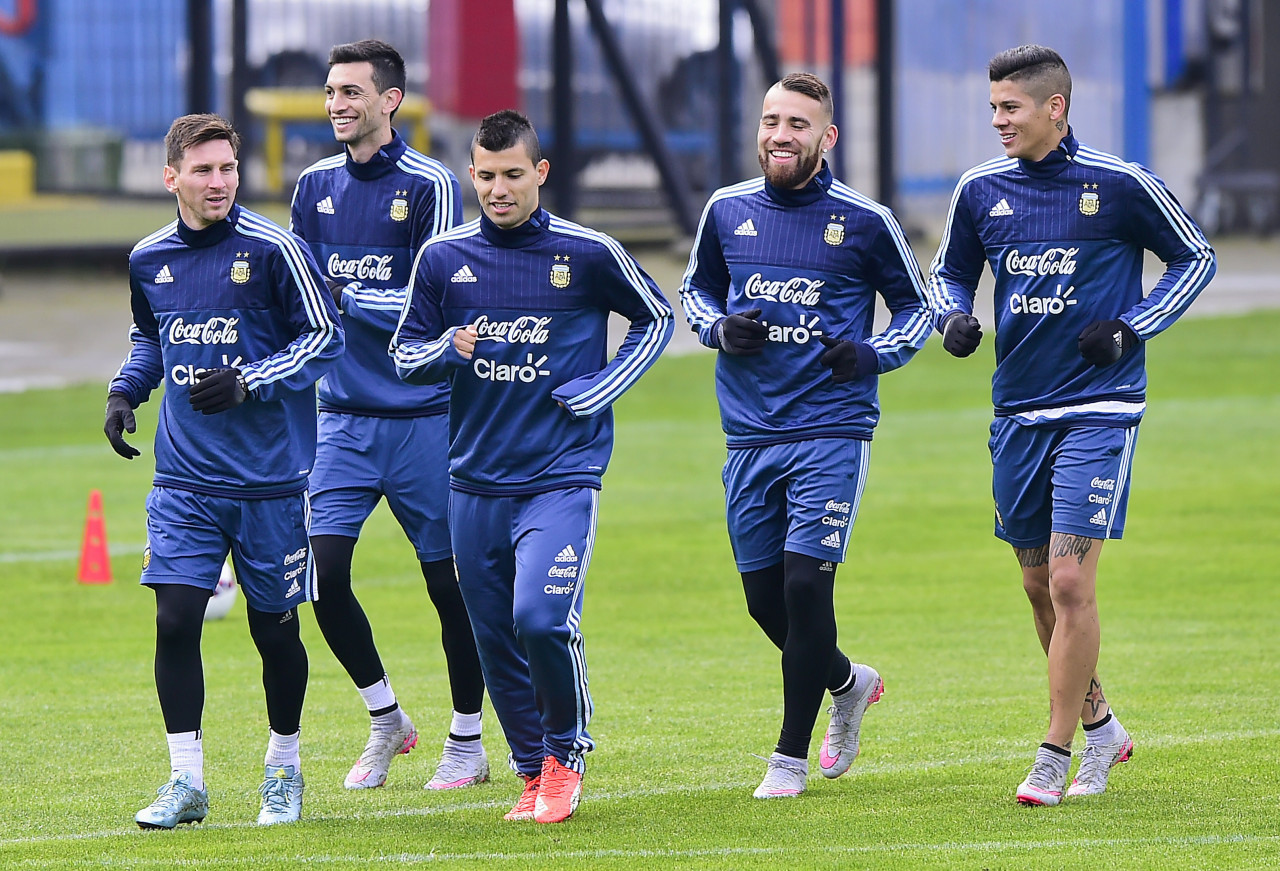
{"x": 189, "y": 535}
{"x": 1072, "y": 480}
{"x": 799, "y": 496}
{"x": 360, "y": 459}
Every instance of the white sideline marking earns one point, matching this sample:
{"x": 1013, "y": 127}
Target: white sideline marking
{"x": 1145, "y": 742}
{"x": 50, "y": 556}
{"x": 807, "y": 850}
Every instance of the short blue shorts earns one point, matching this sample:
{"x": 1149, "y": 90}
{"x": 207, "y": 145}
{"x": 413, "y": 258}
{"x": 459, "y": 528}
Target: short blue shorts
{"x": 360, "y": 459}
{"x": 189, "y": 535}
{"x": 1073, "y": 480}
{"x": 800, "y": 497}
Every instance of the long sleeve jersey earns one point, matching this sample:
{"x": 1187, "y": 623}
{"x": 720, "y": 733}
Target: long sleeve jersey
{"x": 241, "y": 293}
{"x": 531, "y": 411}
{"x": 364, "y": 223}
{"x": 1064, "y": 238}
{"x": 812, "y": 260}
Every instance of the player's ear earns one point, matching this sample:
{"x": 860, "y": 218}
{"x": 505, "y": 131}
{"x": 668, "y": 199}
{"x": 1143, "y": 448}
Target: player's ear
{"x": 391, "y": 100}
{"x": 170, "y": 179}
{"x": 542, "y": 168}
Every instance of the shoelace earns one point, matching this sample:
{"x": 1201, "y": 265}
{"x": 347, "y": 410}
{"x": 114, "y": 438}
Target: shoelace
{"x": 275, "y": 792}
{"x": 172, "y": 795}
{"x": 1042, "y": 775}
{"x": 453, "y": 765}
{"x": 1093, "y": 763}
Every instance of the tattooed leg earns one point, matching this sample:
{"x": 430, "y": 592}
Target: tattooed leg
{"x": 1073, "y": 648}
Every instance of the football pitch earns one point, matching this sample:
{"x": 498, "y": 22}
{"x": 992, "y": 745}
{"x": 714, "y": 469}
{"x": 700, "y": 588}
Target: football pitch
{"x": 686, "y": 688}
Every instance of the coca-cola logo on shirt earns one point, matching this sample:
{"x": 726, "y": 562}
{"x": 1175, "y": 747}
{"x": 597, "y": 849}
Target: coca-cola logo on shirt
{"x": 1051, "y": 261}
{"x": 529, "y": 330}
{"x": 798, "y": 290}
{"x": 370, "y": 267}
{"x": 215, "y": 331}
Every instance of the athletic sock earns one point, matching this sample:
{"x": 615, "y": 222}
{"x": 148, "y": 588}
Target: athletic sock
{"x": 849, "y": 684}
{"x": 379, "y": 698}
{"x": 1105, "y": 731}
{"x": 283, "y": 750}
{"x": 465, "y": 729}
{"x": 186, "y": 753}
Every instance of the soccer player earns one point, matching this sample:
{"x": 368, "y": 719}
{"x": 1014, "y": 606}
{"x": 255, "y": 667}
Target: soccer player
{"x": 1063, "y": 228}
{"x": 365, "y": 213}
{"x": 512, "y": 308}
{"x": 232, "y": 314}
{"x": 782, "y": 281}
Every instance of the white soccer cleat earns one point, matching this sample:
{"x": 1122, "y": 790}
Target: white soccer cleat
{"x": 281, "y": 795}
{"x": 370, "y": 770}
{"x": 1096, "y": 763}
{"x": 176, "y": 802}
{"x": 460, "y": 766}
{"x": 785, "y": 777}
{"x": 1046, "y": 781}
{"x": 840, "y": 744}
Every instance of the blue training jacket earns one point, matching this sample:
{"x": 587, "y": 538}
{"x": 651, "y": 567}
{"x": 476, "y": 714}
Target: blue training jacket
{"x": 531, "y": 411}
{"x": 812, "y": 260}
{"x": 364, "y": 223}
{"x": 1064, "y": 238}
{"x": 241, "y": 293}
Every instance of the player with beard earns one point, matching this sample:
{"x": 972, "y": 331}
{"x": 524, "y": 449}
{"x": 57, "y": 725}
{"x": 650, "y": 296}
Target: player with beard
{"x": 783, "y": 281}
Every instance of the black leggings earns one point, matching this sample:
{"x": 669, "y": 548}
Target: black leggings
{"x": 180, "y": 673}
{"x": 350, "y": 637}
{"x": 793, "y": 602}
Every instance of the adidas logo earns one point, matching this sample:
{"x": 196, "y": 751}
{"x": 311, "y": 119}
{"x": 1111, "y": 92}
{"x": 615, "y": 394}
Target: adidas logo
{"x": 325, "y": 206}
{"x": 567, "y": 555}
{"x": 827, "y": 566}
{"x": 832, "y": 540}
{"x": 294, "y": 590}
{"x": 464, "y": 275}
{"x": 1099, "y": 519}
{"x": 1001, "y": 209}
{"x": 164, "y": 276}
{"x": 746, "y": 228}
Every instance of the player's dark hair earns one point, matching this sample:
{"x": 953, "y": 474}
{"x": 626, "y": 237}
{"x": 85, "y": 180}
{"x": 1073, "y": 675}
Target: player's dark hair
{"x": 1040, "y": 71}
{"x": 811, "y": 86}
{"x": 505, "y": 129}
{"x": 388, "y": 65}
{"x": 191, "y": 130}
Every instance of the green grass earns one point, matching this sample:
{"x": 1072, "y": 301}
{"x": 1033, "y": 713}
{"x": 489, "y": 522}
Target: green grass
{"x": 686, "y": 687}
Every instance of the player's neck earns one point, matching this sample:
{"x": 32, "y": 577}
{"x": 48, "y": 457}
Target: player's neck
{"x": 364, "y": 150}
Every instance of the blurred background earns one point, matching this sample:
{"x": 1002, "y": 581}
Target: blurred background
{"x": 644, "y": 107}
{"x": 647, "y": 104}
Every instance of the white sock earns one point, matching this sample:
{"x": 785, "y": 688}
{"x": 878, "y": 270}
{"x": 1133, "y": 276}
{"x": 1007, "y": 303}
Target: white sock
{"x": 378, "y": 696}
{"x": 465, "y": 725}
{"x": 1109, "y": 733}
{"x": 283, "y": 750}
{"x": 186, "y": 753}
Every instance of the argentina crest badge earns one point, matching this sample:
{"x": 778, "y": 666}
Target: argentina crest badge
{"x": 834, "y": 233}
{"x": 1089, "y": 201}
{"x": 240, "y": 268}
{"x": 560, "y": 273}
{"x": 400, "y": 206}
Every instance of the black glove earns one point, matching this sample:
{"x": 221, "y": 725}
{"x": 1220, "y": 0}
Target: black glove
{"x": 119, "y": 420}
{"x": 848, "y": 360}
{"x": 1104, "y": 342}
{"x": 336, "y": 287}
{"x": 218, "y": 390}
{"x": 742, "y": 334}
{"x": 961, "y": 334}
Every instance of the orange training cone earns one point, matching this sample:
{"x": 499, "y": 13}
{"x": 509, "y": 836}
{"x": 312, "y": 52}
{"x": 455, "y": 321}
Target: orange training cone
{"x": 95, "y": 563}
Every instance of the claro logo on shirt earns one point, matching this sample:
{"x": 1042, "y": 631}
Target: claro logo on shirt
{"x": 215, "y": 331}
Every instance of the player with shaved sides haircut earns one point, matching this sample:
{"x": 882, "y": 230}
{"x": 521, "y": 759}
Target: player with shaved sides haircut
{"x": 1064, "y": 229}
